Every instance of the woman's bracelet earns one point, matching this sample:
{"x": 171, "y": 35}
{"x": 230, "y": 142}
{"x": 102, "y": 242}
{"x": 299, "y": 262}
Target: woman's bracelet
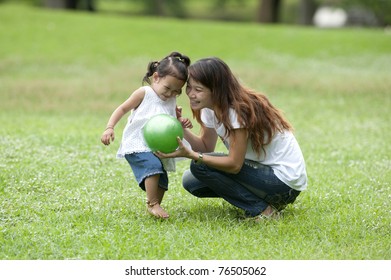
{"x": 200, "y": 158}
{"x": 109, "y": 127}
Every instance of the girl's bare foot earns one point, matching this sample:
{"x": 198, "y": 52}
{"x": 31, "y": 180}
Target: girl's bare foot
{"x": 156, "y": 210}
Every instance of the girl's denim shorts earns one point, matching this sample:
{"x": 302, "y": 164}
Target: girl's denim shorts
{"x": 145, "y": 165}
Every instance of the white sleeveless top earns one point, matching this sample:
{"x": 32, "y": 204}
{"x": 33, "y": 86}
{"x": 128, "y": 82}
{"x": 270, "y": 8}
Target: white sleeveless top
{"x": 132, "y": 137}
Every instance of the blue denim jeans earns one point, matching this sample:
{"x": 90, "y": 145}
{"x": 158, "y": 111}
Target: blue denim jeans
{"x": 145, "y": 165}
{"x": 252, "y": 189}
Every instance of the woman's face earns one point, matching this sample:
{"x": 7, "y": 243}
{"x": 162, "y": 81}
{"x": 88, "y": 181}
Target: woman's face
{"x": 199, "y": 95}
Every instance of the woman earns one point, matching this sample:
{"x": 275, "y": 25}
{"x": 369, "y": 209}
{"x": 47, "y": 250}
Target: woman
{"x": 264, "y": 169}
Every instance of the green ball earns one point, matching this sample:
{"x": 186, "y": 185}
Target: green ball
{"x": 161, "y": 132}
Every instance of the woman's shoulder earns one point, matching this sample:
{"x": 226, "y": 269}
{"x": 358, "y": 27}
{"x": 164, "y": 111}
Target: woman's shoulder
{"x": 207, "y": 111}
{"x": 284, "y": 136}
{"x": 208, "y": 115}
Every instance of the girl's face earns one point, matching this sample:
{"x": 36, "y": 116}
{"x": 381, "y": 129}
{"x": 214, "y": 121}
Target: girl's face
{"x": 166, "y": 87}
{"x": 199, "y": 95}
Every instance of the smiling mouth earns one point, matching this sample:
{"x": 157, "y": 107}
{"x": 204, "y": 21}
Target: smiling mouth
{"x": 194, "y": 103}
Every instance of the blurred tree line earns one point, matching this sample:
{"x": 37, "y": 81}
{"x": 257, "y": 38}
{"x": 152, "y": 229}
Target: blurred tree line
{"x": 263, "y": 11}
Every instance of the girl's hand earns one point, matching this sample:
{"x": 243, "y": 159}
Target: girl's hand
{"x": 185, "y": 122}
{"x": 107, "y": 135}
{"x": 182, "y": 151}
{"x": 178, "y": 111}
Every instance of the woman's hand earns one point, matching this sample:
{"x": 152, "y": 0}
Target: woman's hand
{"x": 182, "y": 151}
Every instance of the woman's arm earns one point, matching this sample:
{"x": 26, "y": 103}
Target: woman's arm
{"x": 205, "y": 142}
{"x": 232, "y": 163}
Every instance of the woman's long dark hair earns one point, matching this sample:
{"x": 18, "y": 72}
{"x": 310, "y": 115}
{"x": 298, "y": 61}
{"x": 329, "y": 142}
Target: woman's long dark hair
{"x": 255, "y": 112}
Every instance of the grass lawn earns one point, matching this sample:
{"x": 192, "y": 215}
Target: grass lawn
{"x": 63, "y": 195}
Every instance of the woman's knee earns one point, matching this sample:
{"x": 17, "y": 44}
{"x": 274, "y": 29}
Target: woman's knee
{"x": 196, "y": 187}
{"x": 195, "y": 168}
{"x": 187, "y": 179}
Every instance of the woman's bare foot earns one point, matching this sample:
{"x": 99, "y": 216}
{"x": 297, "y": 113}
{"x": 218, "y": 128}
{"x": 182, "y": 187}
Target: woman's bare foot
{"x": 270, "y": 213}
{"x": 156, "y": 210}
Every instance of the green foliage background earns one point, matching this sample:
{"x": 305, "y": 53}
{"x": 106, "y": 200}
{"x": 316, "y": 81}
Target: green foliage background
{"x": 232, "y": 10}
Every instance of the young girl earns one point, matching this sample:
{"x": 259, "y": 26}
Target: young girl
{"x": 166, "y": 79}
{"x": 264, "y": 169}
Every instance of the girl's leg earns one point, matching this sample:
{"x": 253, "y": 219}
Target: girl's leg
{"x": 152, "y": 178}
{"x": 155, "y": 196}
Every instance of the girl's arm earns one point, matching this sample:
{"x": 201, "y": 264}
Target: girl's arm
{"x": 131, "y": 103}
